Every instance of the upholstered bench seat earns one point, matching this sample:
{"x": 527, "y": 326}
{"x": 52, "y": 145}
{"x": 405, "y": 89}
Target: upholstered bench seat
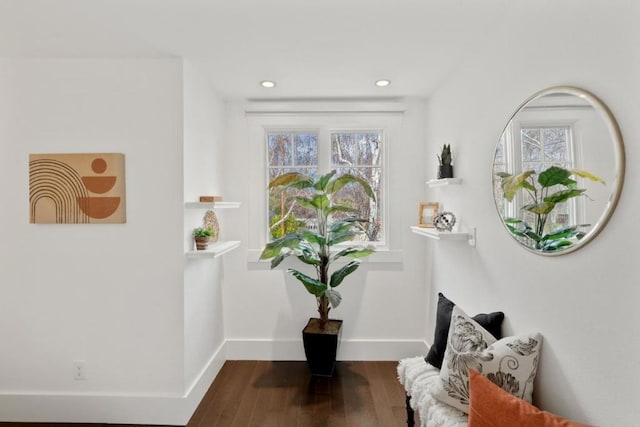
{"x": 419, "y": 379}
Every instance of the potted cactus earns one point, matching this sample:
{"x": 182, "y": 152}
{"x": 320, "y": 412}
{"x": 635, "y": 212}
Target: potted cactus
{"x": 444, "y": 158}
{"x": 319, "y": 250}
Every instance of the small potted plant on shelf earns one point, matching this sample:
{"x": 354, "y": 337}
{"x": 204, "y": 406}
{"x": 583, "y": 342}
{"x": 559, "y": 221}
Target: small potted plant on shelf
{"x": 444, "y": 158}
{"x": 318, "y": 249}
{"x": 202, "y": 236}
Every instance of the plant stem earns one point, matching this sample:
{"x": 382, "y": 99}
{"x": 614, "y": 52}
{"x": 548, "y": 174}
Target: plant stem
{"x": 323, "y": 301}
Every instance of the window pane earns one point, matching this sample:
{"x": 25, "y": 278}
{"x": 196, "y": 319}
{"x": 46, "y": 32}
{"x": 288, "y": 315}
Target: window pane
{"x": 360, "y": 154}
{"x": 353, "y": 196}
{"x": 531, "y": 145}
{"x": 343, "y": 149}
{"x": 369, "y": 149}
{"x": 499, "y": 157}
{"x": 283, "y": 202}
{"x": 555, "y": 144}
{"x": 306, "y": 149}
{"x": 279, "y": 147}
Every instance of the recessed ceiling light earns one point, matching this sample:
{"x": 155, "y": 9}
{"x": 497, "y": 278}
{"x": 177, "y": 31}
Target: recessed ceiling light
{"x": 267, "y": 83}
{"x": 383, "y": 83}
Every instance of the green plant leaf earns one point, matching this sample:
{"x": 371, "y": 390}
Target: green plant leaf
{"x": 347, "y": 222}
{"x": 320, "y": 201}
{"x": 336, "y": 238}
{"x": 312, "y": 285}
{"x": 554, "y": 245}
{"x": 511, "y": 184}
{"x": 280, "y": 257}
{"x": 292, "y": 180}
{"x": 305, "y": 202}
{"x": 334, "y": 297}
{"x": 321, "y": 184}
{"x": 338, "y": 183}
{"x": 539, "y": 208}
{"x": 563, "y": 233}
{"x": 532, "y": 235}
{"x": 553, "y": 175}
{"x": 570, "y": 183}
{"x": 585, "y": 174}
{"x": 307, "y": 254}
{"x": 563, "y": 195}
{"x": 340, "y": 208}
{"x": 273, "y": 248}
{"x": 361, "y": 253}
{"x": 340, "y": 227}
{"x": 513, "y": 230}
{"x": 338, "y": 276}
{"x": 312, "y": 237}
{"x": 513, "y": 221}
{"x": 353, "y": 252}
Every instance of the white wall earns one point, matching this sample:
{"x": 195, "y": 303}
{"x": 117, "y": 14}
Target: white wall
{"x": 383, "y": 303}
{"x": 204, "y": 115}
{"x": 111, "y": 295}
{"x": 584, "y": 303}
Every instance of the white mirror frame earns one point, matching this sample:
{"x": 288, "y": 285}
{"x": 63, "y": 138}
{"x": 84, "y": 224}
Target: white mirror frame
{"x": 619, "y": 159}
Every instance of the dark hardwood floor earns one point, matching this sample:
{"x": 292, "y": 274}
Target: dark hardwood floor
{"x": 269, "y": 394}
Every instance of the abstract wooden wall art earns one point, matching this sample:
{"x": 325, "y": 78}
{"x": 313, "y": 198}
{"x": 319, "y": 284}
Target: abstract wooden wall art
{"x": 77, "y": 188}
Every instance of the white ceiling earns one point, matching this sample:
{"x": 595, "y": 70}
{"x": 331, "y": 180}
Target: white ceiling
{"x": 311, "y": 48}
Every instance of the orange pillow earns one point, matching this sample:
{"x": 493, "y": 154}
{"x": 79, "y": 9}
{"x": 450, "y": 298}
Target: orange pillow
{"x": 491, "y": 406}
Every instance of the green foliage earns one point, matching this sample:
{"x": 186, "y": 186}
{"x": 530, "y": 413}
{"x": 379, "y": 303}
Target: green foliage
{"x": 291, "y": 225}
{"x": 546, "y": 196}
{"x": 202, "y": 232}
{"x": 316, "y": 247}
{"x": 445, "y": 155}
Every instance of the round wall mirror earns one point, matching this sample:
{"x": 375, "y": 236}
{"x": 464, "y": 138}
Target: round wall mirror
{"x": 558, "y": 170}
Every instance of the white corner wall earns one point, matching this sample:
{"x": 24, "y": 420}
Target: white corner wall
{"x": 584, "y": 303}
{"x": 111, "y": 295}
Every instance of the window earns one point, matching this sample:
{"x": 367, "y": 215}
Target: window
{"x": 290, "y": 151}
{"x": 358, "y": 152}
{"x": 534, "y": 147}
{"x": 542, "y": 147}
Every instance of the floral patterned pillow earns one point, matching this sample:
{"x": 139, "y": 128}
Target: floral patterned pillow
{"x": 511, "y": 362}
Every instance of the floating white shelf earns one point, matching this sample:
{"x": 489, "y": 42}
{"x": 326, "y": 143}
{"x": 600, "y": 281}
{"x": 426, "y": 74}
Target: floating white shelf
{"x": 212, "y": 205}
{"x": 444, "y": 181}
{"x": 432, "y": 233}
{"x": 214, "y": 250}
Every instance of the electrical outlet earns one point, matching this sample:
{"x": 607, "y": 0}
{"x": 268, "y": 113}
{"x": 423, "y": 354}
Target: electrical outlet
{"x": 79, "y": 370}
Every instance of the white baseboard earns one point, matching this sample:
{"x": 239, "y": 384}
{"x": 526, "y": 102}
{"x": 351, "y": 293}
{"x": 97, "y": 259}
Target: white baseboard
{"x": 349, "y": 349}
{"x": 178, "y": 409}
{"x": 112, "y": 409}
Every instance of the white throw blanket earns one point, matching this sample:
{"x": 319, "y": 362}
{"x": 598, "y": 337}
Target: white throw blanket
{"x": 419, "y": 379}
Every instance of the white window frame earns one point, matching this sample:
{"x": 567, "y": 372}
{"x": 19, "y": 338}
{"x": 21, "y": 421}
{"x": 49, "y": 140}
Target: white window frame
{"x": 260, "y": 123}
{"x": 513, "y": 160}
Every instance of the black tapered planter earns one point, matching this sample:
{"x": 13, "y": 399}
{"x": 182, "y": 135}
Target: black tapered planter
{"x": 445, "y": 171}
{"x": 321, "y": 346}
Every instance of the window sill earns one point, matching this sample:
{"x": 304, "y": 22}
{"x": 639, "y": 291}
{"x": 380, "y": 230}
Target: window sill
{"x": 381, "y": 256}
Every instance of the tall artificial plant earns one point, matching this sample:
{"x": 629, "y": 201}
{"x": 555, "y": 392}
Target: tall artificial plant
{"x": 319, "y": 248}
{"x": 546, "y": 190}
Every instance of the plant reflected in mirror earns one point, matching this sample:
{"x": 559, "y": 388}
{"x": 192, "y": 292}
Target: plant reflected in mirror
{"x": 558, "y": 170}
{"x": 552, "y": 187}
